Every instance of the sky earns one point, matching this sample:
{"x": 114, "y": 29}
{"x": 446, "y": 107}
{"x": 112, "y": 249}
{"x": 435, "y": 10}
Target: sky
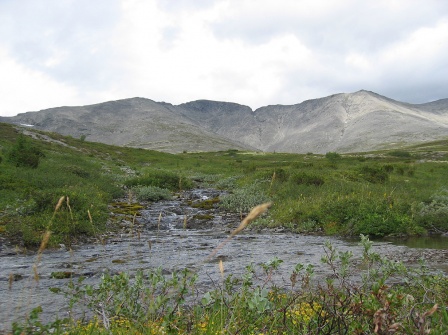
{"x": 253, "y": 52}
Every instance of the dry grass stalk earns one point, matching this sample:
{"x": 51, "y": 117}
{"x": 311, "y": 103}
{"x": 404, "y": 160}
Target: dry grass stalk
{"x": 272, "y": 181}
{"x": 254, "y": 213}
{"x": 420, "y": 321}
{"x": 221, "y": 268}
{"x": 69, "y": 208}
{"x": 46, "y": 237}
{"x": 44, "y": 242}
{"x": 35, "y": 274}
{"x": 59, "y": 204}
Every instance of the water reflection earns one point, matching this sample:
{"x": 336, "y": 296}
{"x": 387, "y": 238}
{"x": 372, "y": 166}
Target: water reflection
{"x": 427, "y": 242}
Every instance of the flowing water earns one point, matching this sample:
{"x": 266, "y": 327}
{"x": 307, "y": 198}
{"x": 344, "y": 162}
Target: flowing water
{"x": 172, "y": 235}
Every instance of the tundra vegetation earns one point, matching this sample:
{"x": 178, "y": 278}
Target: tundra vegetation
{"x": 387, "y": 193}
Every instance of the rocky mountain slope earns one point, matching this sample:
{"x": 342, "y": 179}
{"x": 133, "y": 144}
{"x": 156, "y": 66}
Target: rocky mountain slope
{"x": 353, "y": 122}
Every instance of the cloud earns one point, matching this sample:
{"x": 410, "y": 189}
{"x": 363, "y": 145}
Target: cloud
{"x": 253, "y": 53}
{"x": 327, "y": 25}
{"x": 68, "y": 40}
{"x": 29, "y": 90}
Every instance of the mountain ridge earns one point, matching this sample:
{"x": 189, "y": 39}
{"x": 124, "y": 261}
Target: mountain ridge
{"x": 342, "y": 122}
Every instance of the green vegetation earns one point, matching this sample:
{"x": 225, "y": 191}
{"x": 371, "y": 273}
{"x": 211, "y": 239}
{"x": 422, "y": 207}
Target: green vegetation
{"x": 152, "y": 193}
{"x": 376, "y": 194}
{"x": 37, "y": 172}
{"x": 24, "y": 153}
{"x": 357, "y": 297}
{"x": 401, "y": 192}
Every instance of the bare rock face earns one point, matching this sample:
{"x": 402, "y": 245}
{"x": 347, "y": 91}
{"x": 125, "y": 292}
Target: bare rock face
{"x": 354, "y": 122}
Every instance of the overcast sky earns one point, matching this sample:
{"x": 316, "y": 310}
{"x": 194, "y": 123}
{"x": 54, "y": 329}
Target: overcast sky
{"x": 253, "y": 52}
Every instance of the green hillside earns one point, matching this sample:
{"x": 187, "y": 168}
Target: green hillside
{"x": 380, "y": 193}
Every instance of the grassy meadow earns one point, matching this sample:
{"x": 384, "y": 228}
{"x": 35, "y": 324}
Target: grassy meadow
{"x": 401, "y": 192}
{"x": 63, "y": 185}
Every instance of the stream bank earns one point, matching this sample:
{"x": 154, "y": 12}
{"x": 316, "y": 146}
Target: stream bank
{"x": 173, "y": 234}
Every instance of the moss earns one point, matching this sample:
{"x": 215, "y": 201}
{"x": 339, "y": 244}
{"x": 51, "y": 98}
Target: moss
{"x": 126, "y": 208}
{"x": 90, "y": 260}
{"x": 206, "y": 204}
{"x": 118, "y": 261}
{"x": 61, "y": 274}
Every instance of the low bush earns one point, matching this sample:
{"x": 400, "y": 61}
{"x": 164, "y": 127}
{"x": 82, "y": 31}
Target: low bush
{"x": 161, "y": 178}
{"x": 152, "y": 193}
{"x": 245, "y": 198}
{"x": 302, "y": 178}
{"x": 400, "y": 153}
{"x": 374, "y": 174}
{"x": 332, "y": 156}
{"x": 228, "y": 183}
{"x": 433, "y": 214}
{"x": 24, "y": 153}
{"x": 354, "y": 295}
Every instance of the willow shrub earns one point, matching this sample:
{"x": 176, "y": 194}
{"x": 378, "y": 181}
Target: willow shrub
{"x": 245, "y": 198}
{"x": 161, "y": 178}
{"x": 365, "y": 294}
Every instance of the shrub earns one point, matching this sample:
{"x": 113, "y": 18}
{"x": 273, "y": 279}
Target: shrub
{"x": 161, "y": 178}
{"x": 353, "y": 296}
{"x": 388, "y": 168}
{"x": 353, "y": 216}
{"x": 433, "y": 214}
{"x": 228, "y": 183}
{"x": 152, "y": 193}
{"x": 24, "y": 153}
{"x": 78, "y": 171}
{"x": 399, "y": 153}
{"x": 302, "y": 178}
{"x": 281, "y": 175}
{"x": 332, "y": 156}
{"x": 244, "y": 199}
{"x": 374, "y": 174}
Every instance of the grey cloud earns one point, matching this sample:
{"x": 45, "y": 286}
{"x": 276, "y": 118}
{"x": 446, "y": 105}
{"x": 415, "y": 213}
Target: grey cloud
{"x": 413, "y": 81}
{"x": 78, "y": 30}
{"x": 362, "y": 27}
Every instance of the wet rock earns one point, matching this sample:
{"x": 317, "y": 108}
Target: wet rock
{"x": 15, "y": 277}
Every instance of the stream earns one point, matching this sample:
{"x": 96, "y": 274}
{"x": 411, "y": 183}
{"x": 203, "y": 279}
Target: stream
{"x": 173, "y": 235}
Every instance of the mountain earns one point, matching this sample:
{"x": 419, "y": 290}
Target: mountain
{"x": 135, "y": 122}
{"x": 345, "y": 122}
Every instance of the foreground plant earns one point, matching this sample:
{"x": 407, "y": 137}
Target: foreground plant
{"x": 364, "y": 295}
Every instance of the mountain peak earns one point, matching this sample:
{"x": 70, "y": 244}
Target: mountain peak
{"x": 344, "y": 122}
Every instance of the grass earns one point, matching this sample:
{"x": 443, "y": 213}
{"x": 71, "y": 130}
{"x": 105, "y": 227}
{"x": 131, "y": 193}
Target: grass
{"x": 382, "y": 193}
{"x": 401, "y": 192}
